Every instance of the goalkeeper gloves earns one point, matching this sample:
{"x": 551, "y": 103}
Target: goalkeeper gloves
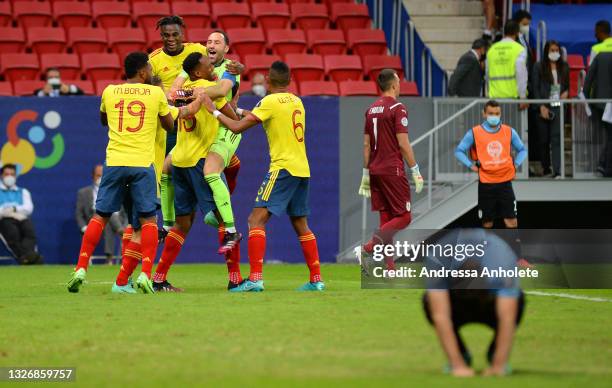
{"x": 416, "y": 178}
{"x": 364, "y": 188}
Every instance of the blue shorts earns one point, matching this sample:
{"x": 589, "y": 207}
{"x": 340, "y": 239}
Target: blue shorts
{"x": 281, "y": 192}
{"x": 170, "y": 141}
{"x": 191, "y": 190}
{"x": 131, "y": 212}
{"x": 137, "y": 183}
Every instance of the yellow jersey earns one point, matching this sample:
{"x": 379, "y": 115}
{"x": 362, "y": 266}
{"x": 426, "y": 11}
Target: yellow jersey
{"x": 196, "y": 135}
{"x": 283, "y": 118}
{"x": 168, "y": 67}
{"x": 132, "y": 111}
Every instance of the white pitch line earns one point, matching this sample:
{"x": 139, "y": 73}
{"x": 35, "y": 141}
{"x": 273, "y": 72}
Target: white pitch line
{"x": 568, "y": 296}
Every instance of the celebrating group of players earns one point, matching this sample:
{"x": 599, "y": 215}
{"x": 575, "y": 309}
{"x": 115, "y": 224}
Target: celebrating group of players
{"x": 173, "y": 155}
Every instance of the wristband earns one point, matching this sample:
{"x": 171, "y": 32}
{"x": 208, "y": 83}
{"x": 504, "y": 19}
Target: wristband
{"x": 415, "y": 169}
{"x": 216, "y": 113}
{"x": 239, "y": 111}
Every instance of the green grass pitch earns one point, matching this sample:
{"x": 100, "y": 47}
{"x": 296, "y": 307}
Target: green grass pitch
{"x": 344, "y": 336}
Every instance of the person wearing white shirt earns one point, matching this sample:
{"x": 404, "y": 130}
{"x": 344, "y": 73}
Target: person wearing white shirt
{"x": 16, "y": 227}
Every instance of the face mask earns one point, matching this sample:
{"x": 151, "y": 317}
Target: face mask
{"x": 259, "y": 90}
{"x": 524, "y": 29}
{"x": 9, "y": 181}
{"x": 97, "y": 182}
{"x": 493, "y": 120}
{"x": 554, "y": 56}
{"x": 55, "y": 81}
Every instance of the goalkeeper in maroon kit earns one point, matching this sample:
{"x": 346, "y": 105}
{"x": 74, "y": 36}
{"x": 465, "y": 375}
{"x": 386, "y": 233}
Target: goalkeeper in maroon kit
{"x": 386, "y": 145}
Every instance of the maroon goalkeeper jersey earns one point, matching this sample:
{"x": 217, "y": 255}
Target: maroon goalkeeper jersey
{"x": 383, "y": 120}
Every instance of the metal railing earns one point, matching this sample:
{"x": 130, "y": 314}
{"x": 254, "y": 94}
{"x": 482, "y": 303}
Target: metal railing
{"x": 541, "y": 37}
{"x": 409, "y": 50}
{"x": 445, "y": 176}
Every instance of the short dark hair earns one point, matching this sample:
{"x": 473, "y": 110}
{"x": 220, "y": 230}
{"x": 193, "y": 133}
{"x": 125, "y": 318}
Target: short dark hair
{"x": 225, "y": 37}
{"x": 191, "y": 62}
{"x": 511, "y": 28}
{"x": 279, "y": 74}
{"x": 520, "y": 15}
{"x": 385, "y": 78}
{"x": 479, "y": 43}
{"x": 492, "y": 104}
{"x": 603, "y": 26}
{"x": 134, "y": 62}
{"x": 7, "y": 166}
{"x": 169, "y": 20}
{"x": 52, "y": 68}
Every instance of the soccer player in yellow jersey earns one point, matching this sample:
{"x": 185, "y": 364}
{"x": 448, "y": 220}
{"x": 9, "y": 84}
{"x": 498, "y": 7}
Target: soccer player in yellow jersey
{"x": 167, "y": 63}
{"x": 285, "y": 187}
{"x": 194, "y": 139}
{"x": 131, "y": 111}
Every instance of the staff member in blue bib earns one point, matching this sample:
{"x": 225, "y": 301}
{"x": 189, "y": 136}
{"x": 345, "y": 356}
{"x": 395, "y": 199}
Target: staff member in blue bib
{"x": 16, "y": 226}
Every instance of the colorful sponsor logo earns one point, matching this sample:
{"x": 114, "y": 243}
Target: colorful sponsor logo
{"x": 21, "y": 152}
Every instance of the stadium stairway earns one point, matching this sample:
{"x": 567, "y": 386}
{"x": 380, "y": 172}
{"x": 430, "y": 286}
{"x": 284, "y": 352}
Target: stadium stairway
{"x": 448, "y": 28}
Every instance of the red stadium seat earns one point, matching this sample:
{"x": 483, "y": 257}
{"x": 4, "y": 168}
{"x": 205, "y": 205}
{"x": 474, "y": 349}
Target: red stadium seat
{"x": 147, "y": 14}
{"x": 575, "y": 61}
{"x": 199, "y": 35}
{"x": 329, "y": 3}
{"x": 246, "y": 41}
{"x": 233, "y": 57}
{"x": 6, "y": 89}
{"x": 374, "y": 64}
{"x": 350, "y": 15}
{"x": 343, "y": 67}
{"x": 154, "y": 40}
{"x": 87, "y": 40}
{"x": 367, "y": 42}
{"x": 259, "y": 63}
{"x": 231, "y": 15}
{"x": 409, "y": 88}
{"x": 319, "y": 88}
{"x": 72, "y": 14}
{"x": 5, "y": 14}
{"x": 101, "y": 66}
{"x": 85, "y": 85}
{"x": 245, "y": 87}
{"x": 306, "y": 67}
{"x": 271, "y": 15}
{"x": 195, "y": 15}
{"x": 103, "y": 83}
{"x": 19, "y": 66}
{"x": 287, "y": 41}
{"x": 125, "y": 40}
{"x": 326, "y": 42}
{"x": 12, "y": 40}
{"x": 32, "y": 13}
{"x": 67, "y": 64}
{"x": 358, "y": 88}
{"x": 111, "y": 13}
{"x": 310, "y": 16}
{"x": 27, "y": 87}
{"x": 44, "y": 40}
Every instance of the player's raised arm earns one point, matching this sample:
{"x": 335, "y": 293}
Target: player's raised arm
{"x": 233, "y": 125}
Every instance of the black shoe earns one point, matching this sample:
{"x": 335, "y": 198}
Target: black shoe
{"x": 230, "y": 240}
{"x": 161, "y": 235}
{"x": 165, "y": 286}
{"x": 232, "y": 285}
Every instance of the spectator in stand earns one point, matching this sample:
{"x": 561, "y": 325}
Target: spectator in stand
{"x": 16, "y": 226}
{"x": 550, "y": 81}
{"x": 55, "y": 87}
{"x": 488, "y": 8}
{"x": 468, "y": 77}
{"x": 85, "y": 209}
{"x": 258, "y": 86}
{"x": 598, "y": 84}
{"x": 506, "y": 68}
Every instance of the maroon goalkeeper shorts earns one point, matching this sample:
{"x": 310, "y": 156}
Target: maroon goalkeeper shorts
{"x": 390, "y": 193}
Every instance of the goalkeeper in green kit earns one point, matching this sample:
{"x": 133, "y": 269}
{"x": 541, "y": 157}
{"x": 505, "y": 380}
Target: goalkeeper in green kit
{"x": 221, "y": 157}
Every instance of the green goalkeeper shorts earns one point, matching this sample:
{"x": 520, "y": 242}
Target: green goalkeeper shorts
{"x": 225, "y": 144}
